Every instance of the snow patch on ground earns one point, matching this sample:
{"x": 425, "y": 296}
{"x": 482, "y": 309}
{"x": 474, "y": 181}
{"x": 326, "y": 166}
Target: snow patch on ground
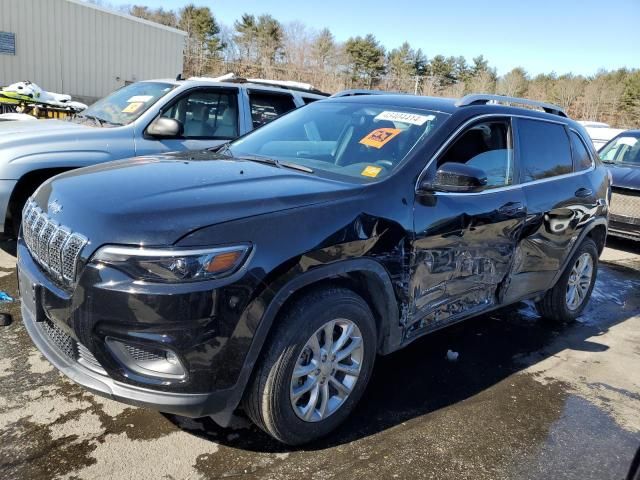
{"x": 120, "y": 457}
{"x": 38, "y": 364}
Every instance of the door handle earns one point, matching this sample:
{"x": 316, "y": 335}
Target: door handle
{"x": 584, "y": 192}
{"x": 511, "y": 208}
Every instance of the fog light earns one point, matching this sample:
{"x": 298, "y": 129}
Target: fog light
{"x": 150, "y": 361}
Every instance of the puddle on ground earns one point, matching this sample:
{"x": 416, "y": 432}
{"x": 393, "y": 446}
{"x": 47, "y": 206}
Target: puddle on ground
{"x": 421, "y": 417}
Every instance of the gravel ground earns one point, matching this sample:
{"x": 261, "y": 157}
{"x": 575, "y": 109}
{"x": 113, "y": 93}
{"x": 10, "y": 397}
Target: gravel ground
{"x": 524, "y": 400}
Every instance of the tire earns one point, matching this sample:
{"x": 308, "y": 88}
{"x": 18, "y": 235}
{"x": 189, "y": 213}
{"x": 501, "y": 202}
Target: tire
{"x": 269, "y": 400}
{"x": 556, "y": 305}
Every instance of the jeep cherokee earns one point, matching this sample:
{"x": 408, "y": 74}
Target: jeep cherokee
{"x": 270, "y": 273}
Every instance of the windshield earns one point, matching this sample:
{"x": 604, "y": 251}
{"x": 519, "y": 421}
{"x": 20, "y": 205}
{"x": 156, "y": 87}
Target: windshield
{"x": 364, "y": 141}
{"x": 126, "y": 104}
{"x": 624, "y": 149}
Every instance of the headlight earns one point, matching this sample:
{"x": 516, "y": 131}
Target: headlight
{"x": 173, "y": 265}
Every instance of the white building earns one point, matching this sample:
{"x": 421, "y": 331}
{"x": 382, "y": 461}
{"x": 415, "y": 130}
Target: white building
{"x": 73, "y": 47}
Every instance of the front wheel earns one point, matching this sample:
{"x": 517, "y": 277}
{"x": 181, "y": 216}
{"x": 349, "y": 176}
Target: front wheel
{"x": 568, "y": 298}
{"x": 317, "y": 364}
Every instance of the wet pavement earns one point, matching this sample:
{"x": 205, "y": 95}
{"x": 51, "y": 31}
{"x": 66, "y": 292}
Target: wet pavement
{"x": 524, "y": 400}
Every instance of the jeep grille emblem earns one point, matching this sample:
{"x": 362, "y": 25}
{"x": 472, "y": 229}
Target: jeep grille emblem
{"x": 54, "y": 207}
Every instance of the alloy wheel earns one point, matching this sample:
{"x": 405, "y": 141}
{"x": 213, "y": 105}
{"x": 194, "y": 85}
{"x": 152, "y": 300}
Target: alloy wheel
{"x": 327, "y": 370}
{"x": 579, "y": 281}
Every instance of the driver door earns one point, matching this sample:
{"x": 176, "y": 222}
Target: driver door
{"x": 209, "y": 117}
{"x": 466, "y": 243}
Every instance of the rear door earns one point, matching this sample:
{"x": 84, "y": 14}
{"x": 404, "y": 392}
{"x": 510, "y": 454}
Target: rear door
{"x": 266, "y": 106}
{"x": 466, "y": 242}
{"x": 559, "y": 197}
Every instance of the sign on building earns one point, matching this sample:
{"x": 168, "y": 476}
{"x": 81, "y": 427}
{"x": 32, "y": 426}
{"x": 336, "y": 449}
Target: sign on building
{"x": 7, "y": 43}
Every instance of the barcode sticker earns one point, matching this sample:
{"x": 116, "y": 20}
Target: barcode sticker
{"x": 404, "y": 117}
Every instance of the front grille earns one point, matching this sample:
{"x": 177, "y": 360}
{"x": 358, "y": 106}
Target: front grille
{"x": 625, "y": 206}
{"x": 69, "y": 347}
{"x": 53, "y": 246}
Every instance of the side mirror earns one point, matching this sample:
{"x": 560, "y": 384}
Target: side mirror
{"x": 456, "y": 177}
{"x": 165, "y": 128}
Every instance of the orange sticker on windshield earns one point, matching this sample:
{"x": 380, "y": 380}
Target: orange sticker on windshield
{"x": 132, "y": 107}
{"x": 371, "y": 171}
{"x": 379, "y": 137}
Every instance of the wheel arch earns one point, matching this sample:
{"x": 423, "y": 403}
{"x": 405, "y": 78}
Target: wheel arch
{"x": 596, "y": 231}
{"x": 26, "y": 185}
{"x": 359, "y": 275}
{"x": 366, "y": 277}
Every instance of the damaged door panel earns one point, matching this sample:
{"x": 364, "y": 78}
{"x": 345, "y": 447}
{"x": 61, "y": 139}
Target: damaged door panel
{"x": 461, "y": 260}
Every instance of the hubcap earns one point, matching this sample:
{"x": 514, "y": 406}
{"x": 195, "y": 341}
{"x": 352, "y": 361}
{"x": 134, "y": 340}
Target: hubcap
{"x": 579, "y": 281}
{"x": 326, "y": 371}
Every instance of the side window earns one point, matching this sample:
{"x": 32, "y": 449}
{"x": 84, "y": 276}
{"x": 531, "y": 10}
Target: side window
{"x": 207, "y": 114}
{"x": 581, "y": 158}
{"x": 544, "y": 150}
{"x": 268, "y": 106}
{"x": 486, "y": 146}
{"x": 308, "y": 100}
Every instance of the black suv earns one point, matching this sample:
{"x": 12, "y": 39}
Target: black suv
{"x": 270, "y": 273}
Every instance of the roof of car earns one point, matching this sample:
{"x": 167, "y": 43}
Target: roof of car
{"x": 440, "y": 104}
{"x": 450, "y": 105}
{"x": 256, "y": 85}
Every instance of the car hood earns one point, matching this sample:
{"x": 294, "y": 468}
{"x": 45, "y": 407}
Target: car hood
{"x": 625, "y": 176}
{"x": 158, "y": 200}
{"x": 9, "y": 130}
{"x": 55, "y": 143}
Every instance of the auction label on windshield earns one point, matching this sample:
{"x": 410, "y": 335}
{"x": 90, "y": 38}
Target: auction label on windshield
{"x": 371, "y": 171}
{"x": 140, "y": 98}
{"x": 404, "y": 117}
{"x": 380, "y": 137}
{"x": 132, "y": 107}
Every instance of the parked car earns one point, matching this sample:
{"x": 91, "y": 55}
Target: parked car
{"x": 622, "y": 156}
{"x": 143, "y": 118}
{"x": 600, "y": 132}
{"x": 272, "y": 272}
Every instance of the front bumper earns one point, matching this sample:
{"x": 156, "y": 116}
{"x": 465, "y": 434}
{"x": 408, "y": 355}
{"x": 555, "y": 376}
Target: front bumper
{"x": 189, "y": 405}
{"x": 624, "y": 227}
{"x": 87, "y": 370}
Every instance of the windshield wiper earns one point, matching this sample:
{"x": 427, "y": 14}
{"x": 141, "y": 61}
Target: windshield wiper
{"x": 607, "y": 161}
{"x": 222, "y": 149}
{"x": 276, "y": 163}
{"x": 297, "y": 166}
{"x": 261, "y": 159}
{"x": 97, "y": 120}
{"x": 225, "y": 150}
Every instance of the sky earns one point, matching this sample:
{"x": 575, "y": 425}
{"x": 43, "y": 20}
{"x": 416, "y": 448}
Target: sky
{"x": 578, "y": 36}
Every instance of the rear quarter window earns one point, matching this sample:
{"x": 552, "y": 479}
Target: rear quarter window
{"x": 544, "y": 150}
{"x": 581, "y": 158}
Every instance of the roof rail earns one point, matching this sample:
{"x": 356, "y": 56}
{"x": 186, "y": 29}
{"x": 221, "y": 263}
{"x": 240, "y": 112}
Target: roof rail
{"x": 284, "y": 84}
{"x": 361, "y": 91}
{"x": 484, "y": 99}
